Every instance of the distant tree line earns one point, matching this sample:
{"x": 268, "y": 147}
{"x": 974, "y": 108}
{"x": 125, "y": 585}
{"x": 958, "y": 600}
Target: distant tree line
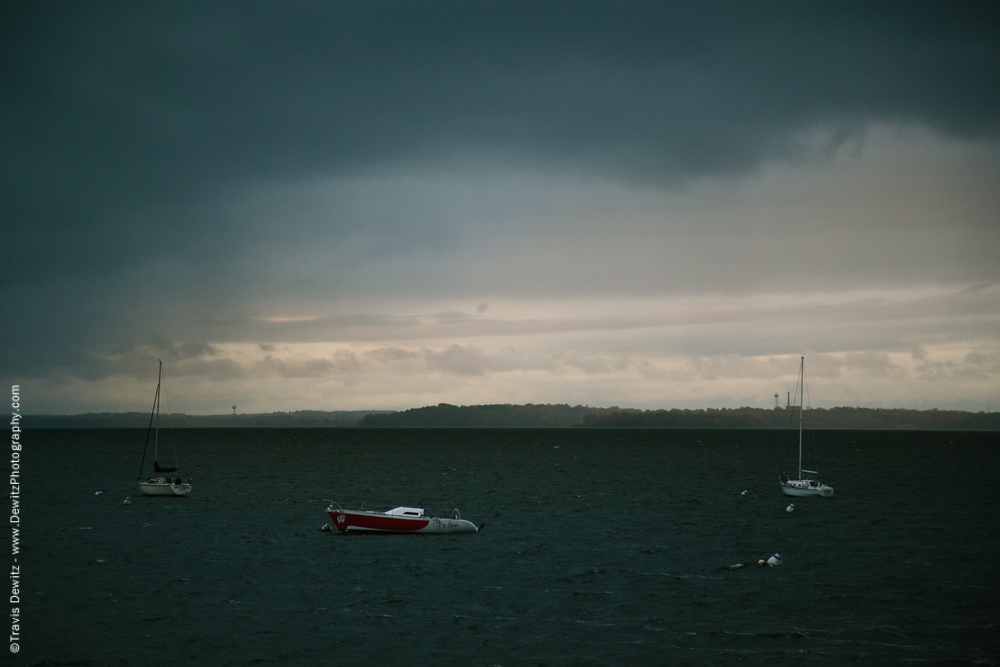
{"x": 845, "y": 417}
{"x": 444, "y": 415}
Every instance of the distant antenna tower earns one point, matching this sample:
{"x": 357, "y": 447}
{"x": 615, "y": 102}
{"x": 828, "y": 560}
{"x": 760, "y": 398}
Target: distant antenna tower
{"x": 775, "y": 401}
{"x": 788, "y": 404}
{"x": 234, "y": 411}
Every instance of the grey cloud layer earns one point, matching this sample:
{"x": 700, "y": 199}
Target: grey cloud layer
{"x": 412, "y": 344}
{"x": 472, "y": 361}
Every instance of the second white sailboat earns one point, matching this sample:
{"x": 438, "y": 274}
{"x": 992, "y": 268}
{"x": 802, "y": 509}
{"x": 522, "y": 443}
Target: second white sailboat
{"x": 802, "y": 485}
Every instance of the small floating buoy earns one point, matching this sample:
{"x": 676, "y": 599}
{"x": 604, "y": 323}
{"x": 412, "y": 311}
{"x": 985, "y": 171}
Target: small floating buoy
{"x": 762, "y": 562}
{"x": 326, "y": 528}
{"x": 744, "y": 493}
{"x": 790, "y": 508}
{"x": 97, "y": 493}
{"x": 774, "y": 560}
{"x": 128, "y": 501}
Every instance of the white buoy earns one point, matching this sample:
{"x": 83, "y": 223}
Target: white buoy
{"x": 128, "y": 501}
{"x": 790, "y": 508}
{"x": 744, "y": 493}
{"x": 98, "y": 493}
{"x": 774, "y": 560}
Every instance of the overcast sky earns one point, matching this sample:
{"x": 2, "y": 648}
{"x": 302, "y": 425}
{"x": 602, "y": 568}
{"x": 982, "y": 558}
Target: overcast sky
{"x": 386, "y": 205}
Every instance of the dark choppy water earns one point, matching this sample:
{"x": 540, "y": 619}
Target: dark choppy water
{"x": 602, "y": 547}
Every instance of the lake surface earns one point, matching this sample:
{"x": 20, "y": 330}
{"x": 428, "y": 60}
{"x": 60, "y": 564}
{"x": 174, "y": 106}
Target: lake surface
{"x": 601, "y": 547}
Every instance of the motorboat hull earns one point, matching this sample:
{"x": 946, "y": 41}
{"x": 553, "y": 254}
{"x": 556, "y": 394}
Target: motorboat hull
{"x": 161, "y": 487}
{"x": 364, "y": 521}
{"x": 805, "y": 487}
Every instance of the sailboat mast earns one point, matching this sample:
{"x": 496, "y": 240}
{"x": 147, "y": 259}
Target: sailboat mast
{"x": 802, "y": 381}
{"x": 156, "y": 433}
{"x": 154, "y": 412}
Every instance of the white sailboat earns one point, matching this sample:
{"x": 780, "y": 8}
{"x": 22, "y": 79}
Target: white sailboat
{"x": 159, "y": 486}
{"x": 802, "y": 485}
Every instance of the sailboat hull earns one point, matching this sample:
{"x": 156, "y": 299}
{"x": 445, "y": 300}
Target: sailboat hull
{"x": 161, "y": 487}
{"x": 805, "y": 487}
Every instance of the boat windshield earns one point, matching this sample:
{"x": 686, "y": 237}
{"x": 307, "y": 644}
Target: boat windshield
{"x": 406, "y": 511}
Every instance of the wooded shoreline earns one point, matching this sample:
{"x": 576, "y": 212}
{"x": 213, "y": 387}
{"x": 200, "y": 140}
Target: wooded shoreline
{"x": 547, "y": 416}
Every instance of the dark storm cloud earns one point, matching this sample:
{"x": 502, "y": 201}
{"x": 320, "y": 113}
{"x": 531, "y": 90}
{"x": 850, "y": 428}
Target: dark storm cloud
{"x": 119, "y": 117}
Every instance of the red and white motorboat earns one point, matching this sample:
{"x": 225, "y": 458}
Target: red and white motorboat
{"x": 398, "y": 520}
